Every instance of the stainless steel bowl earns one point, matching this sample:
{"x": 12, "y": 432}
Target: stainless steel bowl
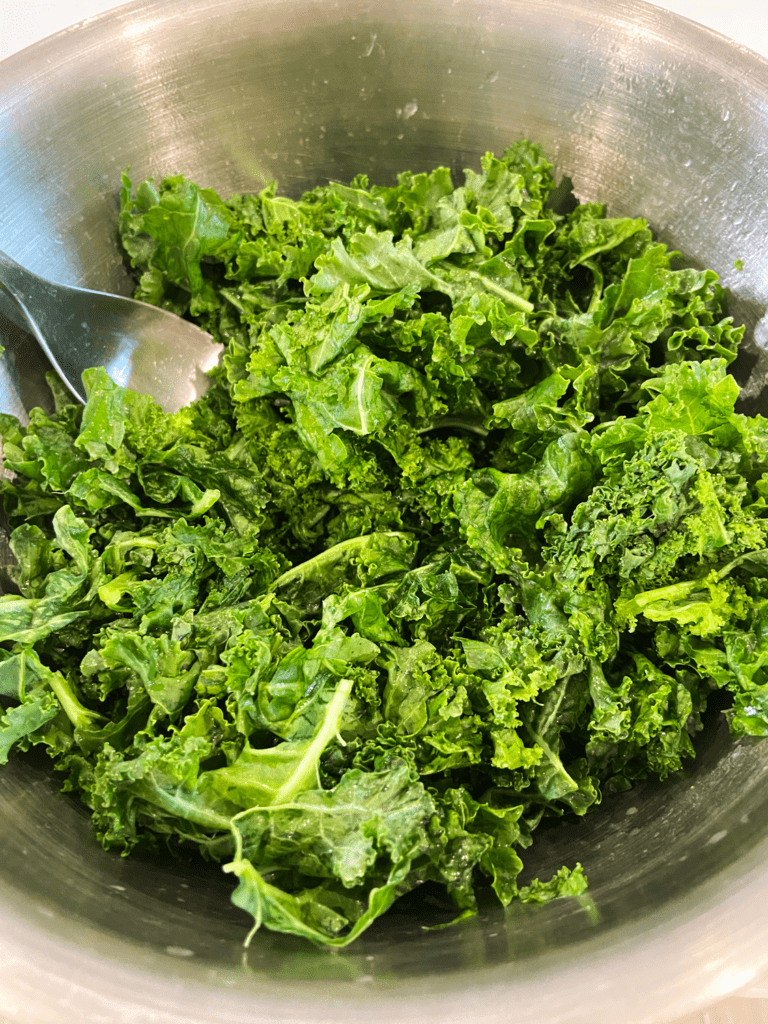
{"x": 643, "y": 110}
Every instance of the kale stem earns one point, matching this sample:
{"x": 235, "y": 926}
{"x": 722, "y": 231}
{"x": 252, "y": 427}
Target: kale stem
{"x": 512, "y": 298}
{"x": 78, "y": 715}
{"x": 329, "y": 557}
{"x": 456, "y": 422}
{"x": 186, "y": 810}
{"x": 309, "y": 762}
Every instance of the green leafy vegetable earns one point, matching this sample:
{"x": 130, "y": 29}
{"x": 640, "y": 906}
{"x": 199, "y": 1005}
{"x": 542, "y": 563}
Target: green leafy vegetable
{"x": 462, "y": 536}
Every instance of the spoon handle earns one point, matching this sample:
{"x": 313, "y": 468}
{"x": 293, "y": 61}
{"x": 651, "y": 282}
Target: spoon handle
{"x": 25, "y": 291}
{"x": 9, "y": 309}
{"x": 13, "y": 281}
{"x": 38, "y": 301}
{"x": 19, "y": 282}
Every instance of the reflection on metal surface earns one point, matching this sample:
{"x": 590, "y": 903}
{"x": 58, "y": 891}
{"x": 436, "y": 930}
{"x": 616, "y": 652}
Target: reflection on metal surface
{"x": 139, "y": 28}
{"x": 632, "y": 104}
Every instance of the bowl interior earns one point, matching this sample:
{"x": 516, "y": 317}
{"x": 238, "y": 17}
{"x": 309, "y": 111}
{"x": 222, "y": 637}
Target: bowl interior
{"x": 640, "y": 110}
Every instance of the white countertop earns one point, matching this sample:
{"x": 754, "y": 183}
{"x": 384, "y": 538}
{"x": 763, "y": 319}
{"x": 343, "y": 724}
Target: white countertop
{"x": 23, "y": 22}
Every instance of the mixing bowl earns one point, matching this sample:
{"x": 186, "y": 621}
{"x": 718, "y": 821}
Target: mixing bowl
{"x": 641, "y": 110}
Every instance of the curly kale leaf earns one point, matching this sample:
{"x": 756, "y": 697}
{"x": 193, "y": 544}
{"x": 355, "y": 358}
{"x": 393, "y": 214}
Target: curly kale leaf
{"x": 462, "y": 536}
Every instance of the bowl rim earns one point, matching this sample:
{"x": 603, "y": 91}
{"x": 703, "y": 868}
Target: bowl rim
{"x": 730, "y": 909}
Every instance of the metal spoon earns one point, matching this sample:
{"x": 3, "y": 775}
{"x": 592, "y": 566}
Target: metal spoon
{"x": 140, "y": 346}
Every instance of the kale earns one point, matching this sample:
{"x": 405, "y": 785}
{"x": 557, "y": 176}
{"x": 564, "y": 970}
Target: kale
{"x": 462, "y": 536}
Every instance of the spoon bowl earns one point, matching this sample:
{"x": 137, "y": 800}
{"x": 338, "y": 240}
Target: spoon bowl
{"x": 142, "y": 347}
